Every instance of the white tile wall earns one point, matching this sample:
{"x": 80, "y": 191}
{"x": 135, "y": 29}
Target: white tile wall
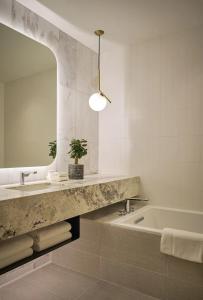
{"x": 155, "y": 129}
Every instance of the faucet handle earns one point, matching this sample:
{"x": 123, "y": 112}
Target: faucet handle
{"x": 122, "y": 212}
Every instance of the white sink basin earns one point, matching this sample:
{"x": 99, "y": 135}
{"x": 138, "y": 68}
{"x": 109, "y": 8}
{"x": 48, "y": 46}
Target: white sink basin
{"x": 38, "y": 186}
{"x": 31, "y": 187}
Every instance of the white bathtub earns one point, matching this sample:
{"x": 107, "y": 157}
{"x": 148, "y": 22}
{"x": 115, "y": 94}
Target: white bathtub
{"x": 154, "y": 218}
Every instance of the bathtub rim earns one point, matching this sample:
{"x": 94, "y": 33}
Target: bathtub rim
{"x": 119, "y": 221}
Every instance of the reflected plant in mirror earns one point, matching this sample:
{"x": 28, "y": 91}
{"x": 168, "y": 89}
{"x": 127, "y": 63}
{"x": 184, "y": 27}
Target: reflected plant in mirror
{"x": 52, "y": 149}
{"x": 78, "y": 149}
{"x": 27, "y": 101}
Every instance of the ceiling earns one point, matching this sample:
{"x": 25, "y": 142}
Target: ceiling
{"x": 21, "y": 56}
{"x": 128, "y": 21}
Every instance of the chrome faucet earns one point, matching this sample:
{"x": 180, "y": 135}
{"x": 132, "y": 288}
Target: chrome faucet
{"x": 25, "y": 174}
{"x": 128, "y": 209}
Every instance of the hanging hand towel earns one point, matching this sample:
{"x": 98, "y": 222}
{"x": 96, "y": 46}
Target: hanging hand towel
{"x": 182, "y": 244}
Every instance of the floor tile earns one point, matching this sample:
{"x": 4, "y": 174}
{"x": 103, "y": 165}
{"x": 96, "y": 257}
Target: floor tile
{"x": 63, "y": 283}
{"x": 22, "y": 290}
{"x": 178, "y": 290}
{"x": 106, "y": 291}
{"x": 54, "y": 282}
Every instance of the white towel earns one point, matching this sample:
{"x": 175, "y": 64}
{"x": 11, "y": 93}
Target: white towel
{"x": 16, "y": 257}
{"x": 182, "y": 244}
{"x": 50, "y": 231}
{"x": 57, "y": 176}
{"x": 52, "y": 241}
{"x": 14, "y": 245}
{"x": 56, "y": 179}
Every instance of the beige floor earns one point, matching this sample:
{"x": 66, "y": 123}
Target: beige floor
{"x": 57, "y": 283}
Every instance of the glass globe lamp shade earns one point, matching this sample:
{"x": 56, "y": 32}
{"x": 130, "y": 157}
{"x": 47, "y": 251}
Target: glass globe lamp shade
{"x": 97, "y": 102}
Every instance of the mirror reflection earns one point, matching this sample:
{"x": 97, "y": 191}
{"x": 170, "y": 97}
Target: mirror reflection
{"x": 27, "y": 100}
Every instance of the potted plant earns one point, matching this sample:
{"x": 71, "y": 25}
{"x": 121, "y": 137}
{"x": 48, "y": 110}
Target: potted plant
{"x": 78, "y": 149}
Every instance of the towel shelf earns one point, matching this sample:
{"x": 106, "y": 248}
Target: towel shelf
{"x": 75, "y": 230}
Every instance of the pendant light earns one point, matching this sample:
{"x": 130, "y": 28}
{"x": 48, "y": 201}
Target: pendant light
{"x": 98, "y": 100}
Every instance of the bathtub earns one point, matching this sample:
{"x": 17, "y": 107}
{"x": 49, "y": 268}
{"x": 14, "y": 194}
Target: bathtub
{"x": 154, "y": 219}
{"x": 128, "y": 254}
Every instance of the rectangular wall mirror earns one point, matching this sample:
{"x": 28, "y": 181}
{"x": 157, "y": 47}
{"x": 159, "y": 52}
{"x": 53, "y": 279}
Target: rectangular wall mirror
{"x": 28, "y": 84}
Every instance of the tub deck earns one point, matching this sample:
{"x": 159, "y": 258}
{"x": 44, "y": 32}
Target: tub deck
{"x": 154, "y": 219}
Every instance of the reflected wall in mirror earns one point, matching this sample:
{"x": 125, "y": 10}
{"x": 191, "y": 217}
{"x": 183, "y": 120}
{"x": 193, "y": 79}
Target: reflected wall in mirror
{"x": 27, "y": 100}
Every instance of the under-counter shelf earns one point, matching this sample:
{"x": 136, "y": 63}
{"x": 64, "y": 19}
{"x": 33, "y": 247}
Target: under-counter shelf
{"x": 75, "y": 230}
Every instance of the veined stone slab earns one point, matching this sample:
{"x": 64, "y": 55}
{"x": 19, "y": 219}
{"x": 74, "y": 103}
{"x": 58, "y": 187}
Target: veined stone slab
{"x": 25, "y": 211}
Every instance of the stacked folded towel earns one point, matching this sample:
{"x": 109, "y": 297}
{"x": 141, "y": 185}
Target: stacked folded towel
{"x": 15, "y": 249}
{"x": 182, "y": 244}
{"x": 51, "y": 235}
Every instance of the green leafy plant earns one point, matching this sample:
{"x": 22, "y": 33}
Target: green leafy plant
{"x": 78, "y": 149}
{"x": 52, "y": 149}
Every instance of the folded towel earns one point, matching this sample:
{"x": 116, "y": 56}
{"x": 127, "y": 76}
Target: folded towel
{"x": 61, "y": 174}
{"x": 52, "y": 241}
{"x": 57, "y": 176}
{"x": 182, "y": 244}
{"x": 14, "y": 245}
{"x": 16, "y": 257}
{"x": 59, "y": 179}
{"x": 50, "y": 231}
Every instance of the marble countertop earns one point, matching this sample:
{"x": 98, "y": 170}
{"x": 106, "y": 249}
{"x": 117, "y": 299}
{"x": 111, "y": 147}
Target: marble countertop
{"x": 7, "y": 192}
{"x": 25, "y": 211}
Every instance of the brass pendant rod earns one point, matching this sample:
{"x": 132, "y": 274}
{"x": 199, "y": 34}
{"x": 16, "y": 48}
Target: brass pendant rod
{"x": 99, "y": 54}
{"x": 99, "y": 33}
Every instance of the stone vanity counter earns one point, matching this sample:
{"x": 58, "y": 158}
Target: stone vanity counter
{"x": 25, "y": 211}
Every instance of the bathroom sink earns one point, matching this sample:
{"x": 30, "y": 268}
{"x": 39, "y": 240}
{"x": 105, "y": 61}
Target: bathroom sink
{"x": 31, "y": 187}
